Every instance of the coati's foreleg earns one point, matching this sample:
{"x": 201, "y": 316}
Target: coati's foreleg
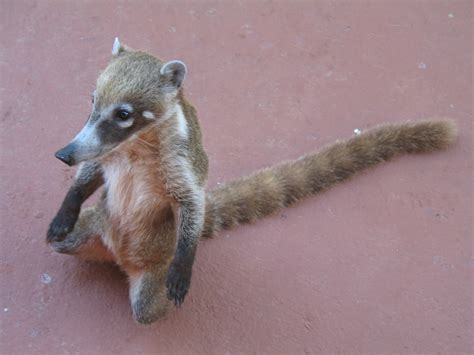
{"x": 88, "y": 179}
{"x": 148, "y": 294}
{"x": 191, "y": 206}
{"x": 84, "y": 240}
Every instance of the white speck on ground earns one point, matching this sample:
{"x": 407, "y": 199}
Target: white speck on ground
{"x": 266, "y": 45}
{"x": 357, "y": 131}
{"x": 450, "y": 15}
{"x": 422, "y": 65}
{"x": 442, "y": 263}
{"x": 34, "y": 333}
{"x": 451, "y": 106}
{"x": 46, "y": 279}
{"x": 5, "y": 309}
{"x": 246, "y": 29}
{"x": 39, "y": 215}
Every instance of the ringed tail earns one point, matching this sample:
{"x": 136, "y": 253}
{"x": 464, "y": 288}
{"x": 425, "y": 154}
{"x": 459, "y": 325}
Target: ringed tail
{"x": 269, "y": 190}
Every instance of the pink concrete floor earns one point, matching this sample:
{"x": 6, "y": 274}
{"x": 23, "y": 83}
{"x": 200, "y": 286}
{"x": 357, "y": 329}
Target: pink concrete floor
{"x": 382, "y": 263}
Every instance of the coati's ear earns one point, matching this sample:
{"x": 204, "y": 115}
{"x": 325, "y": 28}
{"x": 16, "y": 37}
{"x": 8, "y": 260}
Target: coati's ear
{"x": 172, "y": 75}
{"x": 118, "y": 48}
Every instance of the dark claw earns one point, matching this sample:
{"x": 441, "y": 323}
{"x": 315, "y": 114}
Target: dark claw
{"x": 61, "y": 225}
{"x": 178, "y": 284}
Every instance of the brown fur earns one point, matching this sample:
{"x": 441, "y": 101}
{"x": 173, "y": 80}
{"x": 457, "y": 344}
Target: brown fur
{"x": 269, "y": 190}
{"x": 153, "y": 208}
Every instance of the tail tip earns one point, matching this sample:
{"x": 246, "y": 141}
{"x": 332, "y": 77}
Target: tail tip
{"x": 447, "y": 132}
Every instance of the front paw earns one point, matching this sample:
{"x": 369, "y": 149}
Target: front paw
{"x": 178, "y": 282}
{"x": 61, "y": 225}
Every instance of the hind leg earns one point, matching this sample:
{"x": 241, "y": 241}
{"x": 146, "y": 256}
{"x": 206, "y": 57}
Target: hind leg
{"x": 84, "y": 241}
{"x": 148, "y": 294}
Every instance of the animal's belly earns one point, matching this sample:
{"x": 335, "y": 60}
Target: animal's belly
{"x": 142, "y": 237}
{"x": 140, "y": 228}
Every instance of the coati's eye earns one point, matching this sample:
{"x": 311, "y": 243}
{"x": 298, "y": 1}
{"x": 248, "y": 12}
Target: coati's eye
{"x": 123, "y": 115}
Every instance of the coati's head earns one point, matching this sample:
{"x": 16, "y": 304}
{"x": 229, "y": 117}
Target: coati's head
{"x": 135, "y": 90}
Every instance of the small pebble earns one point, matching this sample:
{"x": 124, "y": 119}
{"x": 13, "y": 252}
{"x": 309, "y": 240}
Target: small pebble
{"x": 422, "y": 65}
{"x": 46, "y": 279}
{"x": 5, "y": 309}
{"x": 450, "y": 15}
{"x": 357, "y": 131}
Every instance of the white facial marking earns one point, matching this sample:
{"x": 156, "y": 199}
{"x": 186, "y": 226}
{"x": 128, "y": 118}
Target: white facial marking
{"x": 182, "y": 124}
{"x": 87, "y": 136}
{"x": 148, "y": 115}
{"x": 116, "y": 47}
{"x": 127, "y": 107}
{"x": 129, "y": 122}
{"x": 125, "y": 124}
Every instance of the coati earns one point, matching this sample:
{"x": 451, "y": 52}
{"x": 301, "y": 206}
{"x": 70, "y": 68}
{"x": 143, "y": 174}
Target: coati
{"x": 142, "y": 141}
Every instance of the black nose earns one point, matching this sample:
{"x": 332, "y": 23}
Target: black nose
{"x": 65, "y": 155}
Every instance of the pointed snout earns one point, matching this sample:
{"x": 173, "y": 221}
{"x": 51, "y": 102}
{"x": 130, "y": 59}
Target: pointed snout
{"x": 66, "y": 154}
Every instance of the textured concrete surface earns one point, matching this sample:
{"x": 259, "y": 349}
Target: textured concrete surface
{"x": 382, "y": 263}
